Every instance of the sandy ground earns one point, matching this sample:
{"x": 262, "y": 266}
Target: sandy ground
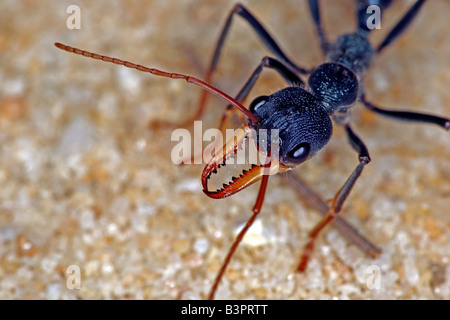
{"x": 87, "y": 187}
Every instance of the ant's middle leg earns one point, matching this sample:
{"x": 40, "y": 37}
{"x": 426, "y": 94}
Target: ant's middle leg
{"x": 314, "y": 9}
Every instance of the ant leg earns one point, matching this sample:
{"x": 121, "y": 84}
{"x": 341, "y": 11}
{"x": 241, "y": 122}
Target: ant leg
{"x": 266, "y": 62}
{"x": 266, "y": 39}
{"x": 348, "y": 231}
{"x": 401, "y": 26}
{"x": 256, "y": 211}
{"x": 408, "y": 115}
{"x": 315, "y": 14}
{"x": 262, "y": 33}
{"x": 340, "y": 196}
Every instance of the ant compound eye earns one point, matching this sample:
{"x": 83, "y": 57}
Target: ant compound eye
{"x": 257, "y": 103}
{"x": 299, "y": 154}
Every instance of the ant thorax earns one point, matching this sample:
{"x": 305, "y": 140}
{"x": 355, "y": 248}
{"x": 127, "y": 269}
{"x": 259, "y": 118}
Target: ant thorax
{"x": 336, "y": 82}
{"x": 353, "y": 51}
{"x": 334, "y": 85}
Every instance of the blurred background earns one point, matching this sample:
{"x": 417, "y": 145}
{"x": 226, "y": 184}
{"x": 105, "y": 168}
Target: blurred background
{"x": 90, "y": 197}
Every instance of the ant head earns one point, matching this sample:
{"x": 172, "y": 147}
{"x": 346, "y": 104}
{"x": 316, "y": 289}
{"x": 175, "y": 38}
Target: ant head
{"x": 292, "y": 127}
{"x": 334, "y": 85}
{"x": 303, "y": 126}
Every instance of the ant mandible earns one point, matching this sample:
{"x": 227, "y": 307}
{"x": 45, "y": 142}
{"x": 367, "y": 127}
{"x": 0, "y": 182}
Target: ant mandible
{"x": 302, "y": 114}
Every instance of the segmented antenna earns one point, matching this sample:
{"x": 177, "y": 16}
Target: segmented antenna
{"x": 160, "y": 73}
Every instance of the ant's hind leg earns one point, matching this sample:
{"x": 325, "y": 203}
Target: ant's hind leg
{"x": 268, "y": 41}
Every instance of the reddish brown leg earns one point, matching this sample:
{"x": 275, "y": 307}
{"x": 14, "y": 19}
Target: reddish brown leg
{"x": 314, "y": 201}
{"x": 256, "y": 211}
{"x": 339, "y": 198}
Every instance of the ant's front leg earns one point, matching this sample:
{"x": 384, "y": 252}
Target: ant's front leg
{"x": 311, "y": 199}
{"x": 401, "y": 26}
{"x": 340, "y": 197}
{"x": 256, "y": 210}
{"x": 268, "y": 41}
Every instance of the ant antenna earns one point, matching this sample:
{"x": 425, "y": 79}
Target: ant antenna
{"x": 160, "y": 73}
